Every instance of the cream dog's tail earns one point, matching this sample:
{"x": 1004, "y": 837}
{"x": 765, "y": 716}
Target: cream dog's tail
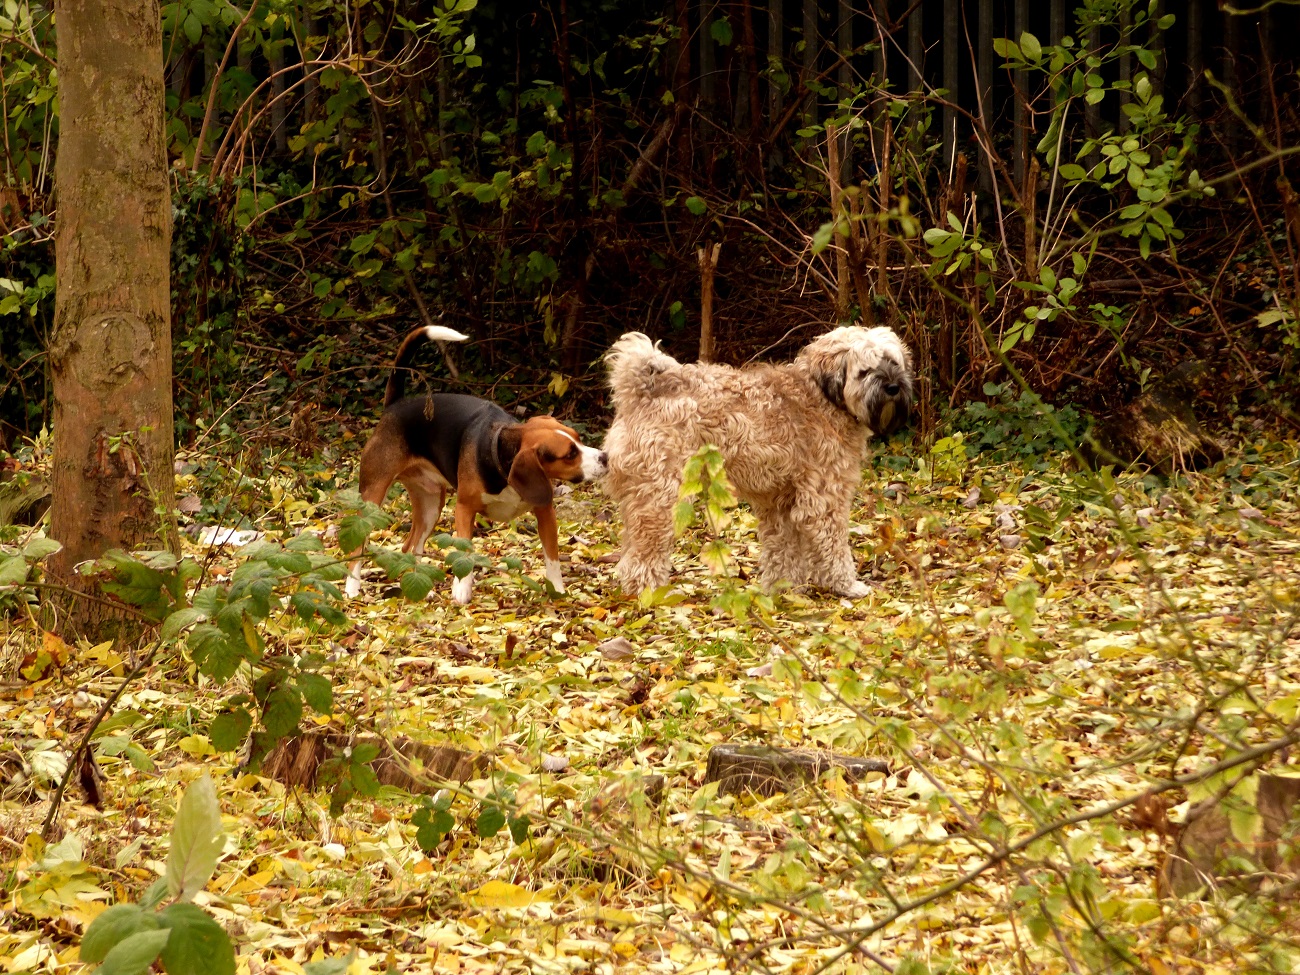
{"x": 637, "y": 369}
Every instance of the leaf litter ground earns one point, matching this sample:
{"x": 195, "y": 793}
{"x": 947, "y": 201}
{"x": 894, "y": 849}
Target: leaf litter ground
{"x": 1035, "y": 644}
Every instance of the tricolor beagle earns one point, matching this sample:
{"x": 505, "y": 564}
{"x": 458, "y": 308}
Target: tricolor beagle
{"x": 448, "y": 442}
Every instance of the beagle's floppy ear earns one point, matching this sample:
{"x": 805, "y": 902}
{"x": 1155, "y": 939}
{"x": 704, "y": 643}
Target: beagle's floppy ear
{"x": 528, "y": 478}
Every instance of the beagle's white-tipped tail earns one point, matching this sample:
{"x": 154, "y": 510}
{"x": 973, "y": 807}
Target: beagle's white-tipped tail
{"x": 440, "y": 333}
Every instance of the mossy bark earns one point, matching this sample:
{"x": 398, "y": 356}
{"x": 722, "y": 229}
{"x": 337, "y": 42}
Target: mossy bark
{"x": 110, "y": 354}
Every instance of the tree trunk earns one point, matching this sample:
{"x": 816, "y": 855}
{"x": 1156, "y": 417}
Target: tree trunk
{"x": 110, "y": 354}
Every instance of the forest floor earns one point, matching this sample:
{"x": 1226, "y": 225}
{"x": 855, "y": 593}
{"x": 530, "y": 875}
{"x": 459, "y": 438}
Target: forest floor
{"x": 1039, "y": 641}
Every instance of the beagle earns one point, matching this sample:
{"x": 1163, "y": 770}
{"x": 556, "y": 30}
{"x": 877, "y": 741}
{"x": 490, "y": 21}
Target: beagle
{"x": 495, "y": 465}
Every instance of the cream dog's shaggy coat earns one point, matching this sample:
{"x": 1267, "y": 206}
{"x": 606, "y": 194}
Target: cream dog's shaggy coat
{"x": 793, "y": 437}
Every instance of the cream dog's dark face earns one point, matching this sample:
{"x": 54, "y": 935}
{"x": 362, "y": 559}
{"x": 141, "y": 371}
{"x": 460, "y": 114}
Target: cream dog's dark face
{"x": 865, "y": 371}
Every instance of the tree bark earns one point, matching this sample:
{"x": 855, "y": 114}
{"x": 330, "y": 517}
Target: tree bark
{"x": 110, "y": 353}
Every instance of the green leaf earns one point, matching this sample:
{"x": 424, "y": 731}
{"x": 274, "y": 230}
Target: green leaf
{"x": 317, "y": 692}
{"x": 179, "y": 620}
{"x": 229, "y": 730}
{"x": 282, "y": 712}
{"x": 331, "y": 966}
{"x": 116, "y": 924}
{"x": 720, "y": 30}
{"x": 416, "y": 585}
{"x": 353, "y": 532}
{"x": 490, "y": 821}
{"x": 697, "y": 206}
{"x": 519, "y": 828}
{"x": 196, "y": 840}
{"x": 1073, "y": 171}
{"x": 1006, "y": 48}
{"x": 1030, "y": 47}
{"x": 40, "y": 548}
{"x": 198, "y": 944}
{"x": 715, "y": 555}
{"x": 13, "y": 570}
{"x": 683, "y": 516}
{"x": 134, "y": 954}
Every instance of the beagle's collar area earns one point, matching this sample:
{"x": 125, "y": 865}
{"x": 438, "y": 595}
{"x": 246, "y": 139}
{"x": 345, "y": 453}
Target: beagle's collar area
{"x": 496, "y": 466}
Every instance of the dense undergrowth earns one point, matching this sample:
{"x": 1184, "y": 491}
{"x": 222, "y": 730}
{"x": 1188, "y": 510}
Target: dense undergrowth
{"x": 1039, "y": 643}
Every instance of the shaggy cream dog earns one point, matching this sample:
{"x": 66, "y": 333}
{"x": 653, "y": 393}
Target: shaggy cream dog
{"x": 793, "y": 437}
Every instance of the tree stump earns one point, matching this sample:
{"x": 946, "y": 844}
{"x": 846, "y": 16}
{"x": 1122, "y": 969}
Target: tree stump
{"x": 1158, "y": 429}
{"x": 1208, "y": 853}
{"x": 766, "y": 770}
{"x": 295, "y": 761}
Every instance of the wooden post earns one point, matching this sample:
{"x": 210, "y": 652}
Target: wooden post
{"x": 951, "y": 64}
{"x": 708, "y": 256}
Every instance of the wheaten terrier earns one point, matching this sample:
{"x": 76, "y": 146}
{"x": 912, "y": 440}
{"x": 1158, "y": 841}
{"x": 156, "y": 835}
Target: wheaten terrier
{"x": 793, "y": 437}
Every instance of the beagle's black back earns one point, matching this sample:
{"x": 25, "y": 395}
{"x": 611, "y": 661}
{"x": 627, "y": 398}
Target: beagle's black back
{"x": 457, "y": 419}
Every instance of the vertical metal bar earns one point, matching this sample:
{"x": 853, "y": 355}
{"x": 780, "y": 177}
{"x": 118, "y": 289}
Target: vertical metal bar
{"x": 1195, "y": 53}
{"x": 916, "y": 49}
{"x": 951, "y": 62}
{"x": 811, "y": 44}
{"x": 775, "y": 52}
{"x": 1059, "y": 27}
{"x": 1157, "y": 44}
{"x": 1125, "y": 66}
{"x": 1020, "y": 107}
{"x": 708, "y": 90}
{"x": 984, "y": 66}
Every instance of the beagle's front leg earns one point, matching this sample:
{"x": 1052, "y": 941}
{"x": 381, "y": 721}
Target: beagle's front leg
{"x": 462, "y": 589}
{"x": 548, "y": 532}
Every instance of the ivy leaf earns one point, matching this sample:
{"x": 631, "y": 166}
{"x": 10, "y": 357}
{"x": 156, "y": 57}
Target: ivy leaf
{"x": 697, "y": 206}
